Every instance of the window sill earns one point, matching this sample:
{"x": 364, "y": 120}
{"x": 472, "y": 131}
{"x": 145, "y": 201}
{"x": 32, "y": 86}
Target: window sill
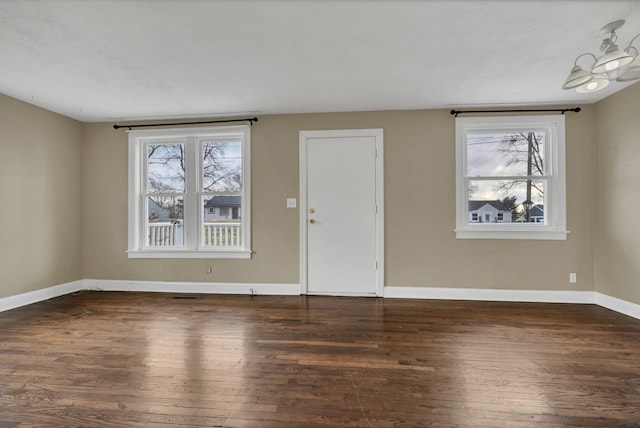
{"x": 551, "y": 235}
{"x": 188, "y": 254}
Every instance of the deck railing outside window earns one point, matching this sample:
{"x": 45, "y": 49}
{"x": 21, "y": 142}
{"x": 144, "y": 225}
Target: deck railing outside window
{"x": 215, "y": 234}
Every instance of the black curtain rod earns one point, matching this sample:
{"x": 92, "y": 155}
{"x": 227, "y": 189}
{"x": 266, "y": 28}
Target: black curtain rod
{"x": 250, "y": 120}
{"x": 561, "y": 110}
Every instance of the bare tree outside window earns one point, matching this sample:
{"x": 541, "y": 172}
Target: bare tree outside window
{"x": 508, "y": 167}
{"x": 222, "y": 166}
{"x": 165, "y": 182}
{"x": 222, "y": 184}
{"x": 166, "y": 171}
{"x": 165, "y": 168}
{"x": 526, "y": 149}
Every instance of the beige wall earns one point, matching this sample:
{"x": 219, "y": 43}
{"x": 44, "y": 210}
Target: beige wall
{"x": 617, "y": 255}
{"x": 65, "y": 215}
{"x": 421, "y": 249}
{"x": 40, "y": 190}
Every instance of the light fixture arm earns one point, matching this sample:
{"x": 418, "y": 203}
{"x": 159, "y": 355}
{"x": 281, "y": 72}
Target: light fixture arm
{"x": 631, "y": 43}
{"x": 575, "y": 63}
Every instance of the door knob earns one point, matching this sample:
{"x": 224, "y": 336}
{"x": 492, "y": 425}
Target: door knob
{"x": 312, "y": 221}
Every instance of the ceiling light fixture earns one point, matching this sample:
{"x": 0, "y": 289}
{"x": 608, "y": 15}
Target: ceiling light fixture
{"x": 614, "y": 65}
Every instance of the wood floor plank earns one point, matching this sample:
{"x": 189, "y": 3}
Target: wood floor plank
{"x": 149, "y": 360}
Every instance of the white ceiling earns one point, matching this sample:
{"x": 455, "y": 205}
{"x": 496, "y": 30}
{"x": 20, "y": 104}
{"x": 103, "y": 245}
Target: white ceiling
{"x": 102, "y": 60}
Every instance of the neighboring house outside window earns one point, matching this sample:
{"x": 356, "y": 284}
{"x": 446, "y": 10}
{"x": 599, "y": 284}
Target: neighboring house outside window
{"x": 488, "y": 212}
{"x": 506, "y": 166}
{"x": 174, "y": 175}
{"x": 223, "y": 208}
{"x": 536, "y": 214}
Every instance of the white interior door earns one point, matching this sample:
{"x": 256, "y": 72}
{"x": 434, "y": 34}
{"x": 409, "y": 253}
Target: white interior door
{"x": 342, "y": 210}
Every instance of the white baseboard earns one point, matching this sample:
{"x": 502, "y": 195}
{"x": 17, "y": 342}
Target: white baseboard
{"x": 24, "y": 299}
{"x": 192, "y": 287}
{"x": 485, "y": 294}
{"x": 618, "y": 305}
{"x": 477, "y": 294}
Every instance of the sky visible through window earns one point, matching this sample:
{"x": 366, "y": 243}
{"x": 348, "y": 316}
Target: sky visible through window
{"x": 165, "y": 168}
{"x": 498, "y": 165}
{"x": 222, "y": 166}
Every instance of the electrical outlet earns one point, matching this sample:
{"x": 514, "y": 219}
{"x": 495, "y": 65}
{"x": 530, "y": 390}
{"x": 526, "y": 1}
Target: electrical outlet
{"x": 291, "y": 202}
{"x": 573, "y": 278}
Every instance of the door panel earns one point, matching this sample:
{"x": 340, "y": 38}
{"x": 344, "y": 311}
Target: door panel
{"x": 341, "y": 226}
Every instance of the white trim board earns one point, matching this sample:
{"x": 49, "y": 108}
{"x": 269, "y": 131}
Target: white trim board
{"x": 485, "y": 294}
{"x": 528, "y": 296}
{"x": 618, "y": 305}
{"x": 24, "y": 299}
{"x": 193, "y": 287}
{"x": 473, "y": 294}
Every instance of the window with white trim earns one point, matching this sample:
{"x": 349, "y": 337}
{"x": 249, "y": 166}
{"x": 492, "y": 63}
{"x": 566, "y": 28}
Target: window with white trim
{"x": 513, "y": 164}
{"x": 176, "y": 176}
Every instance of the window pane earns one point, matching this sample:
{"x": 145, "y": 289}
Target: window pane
{"x": 503, "y": 201}
{"x": 222, "y": 166}
{"x": 505, "y": 154}
{"x": 165, "y": 221}
{"x": 222, "y": 225}
{"x": 165, "y": 168}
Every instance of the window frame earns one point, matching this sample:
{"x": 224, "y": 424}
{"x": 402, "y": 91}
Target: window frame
{"x": 555, "y": 178}
{"x": 193, "y": 216}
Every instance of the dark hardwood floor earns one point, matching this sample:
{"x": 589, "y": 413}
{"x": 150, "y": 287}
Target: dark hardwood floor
{"x": 153, "y": 360}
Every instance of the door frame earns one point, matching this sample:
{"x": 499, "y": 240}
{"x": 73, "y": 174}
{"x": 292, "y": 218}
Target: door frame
{"x": 305, "y": 136}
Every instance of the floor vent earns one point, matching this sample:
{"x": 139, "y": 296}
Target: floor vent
{"x": 185, "y": 297}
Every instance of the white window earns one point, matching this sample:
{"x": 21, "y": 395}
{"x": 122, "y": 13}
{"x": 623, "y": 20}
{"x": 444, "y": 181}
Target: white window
{"x": 173, "y": 173}
{"x": 500, "y": 217}
{"x": 516, "y": 162}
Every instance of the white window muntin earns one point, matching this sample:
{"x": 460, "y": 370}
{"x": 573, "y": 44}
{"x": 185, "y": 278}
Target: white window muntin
{"x": 553, "y": 127}
{"x": 193, "y": 212}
